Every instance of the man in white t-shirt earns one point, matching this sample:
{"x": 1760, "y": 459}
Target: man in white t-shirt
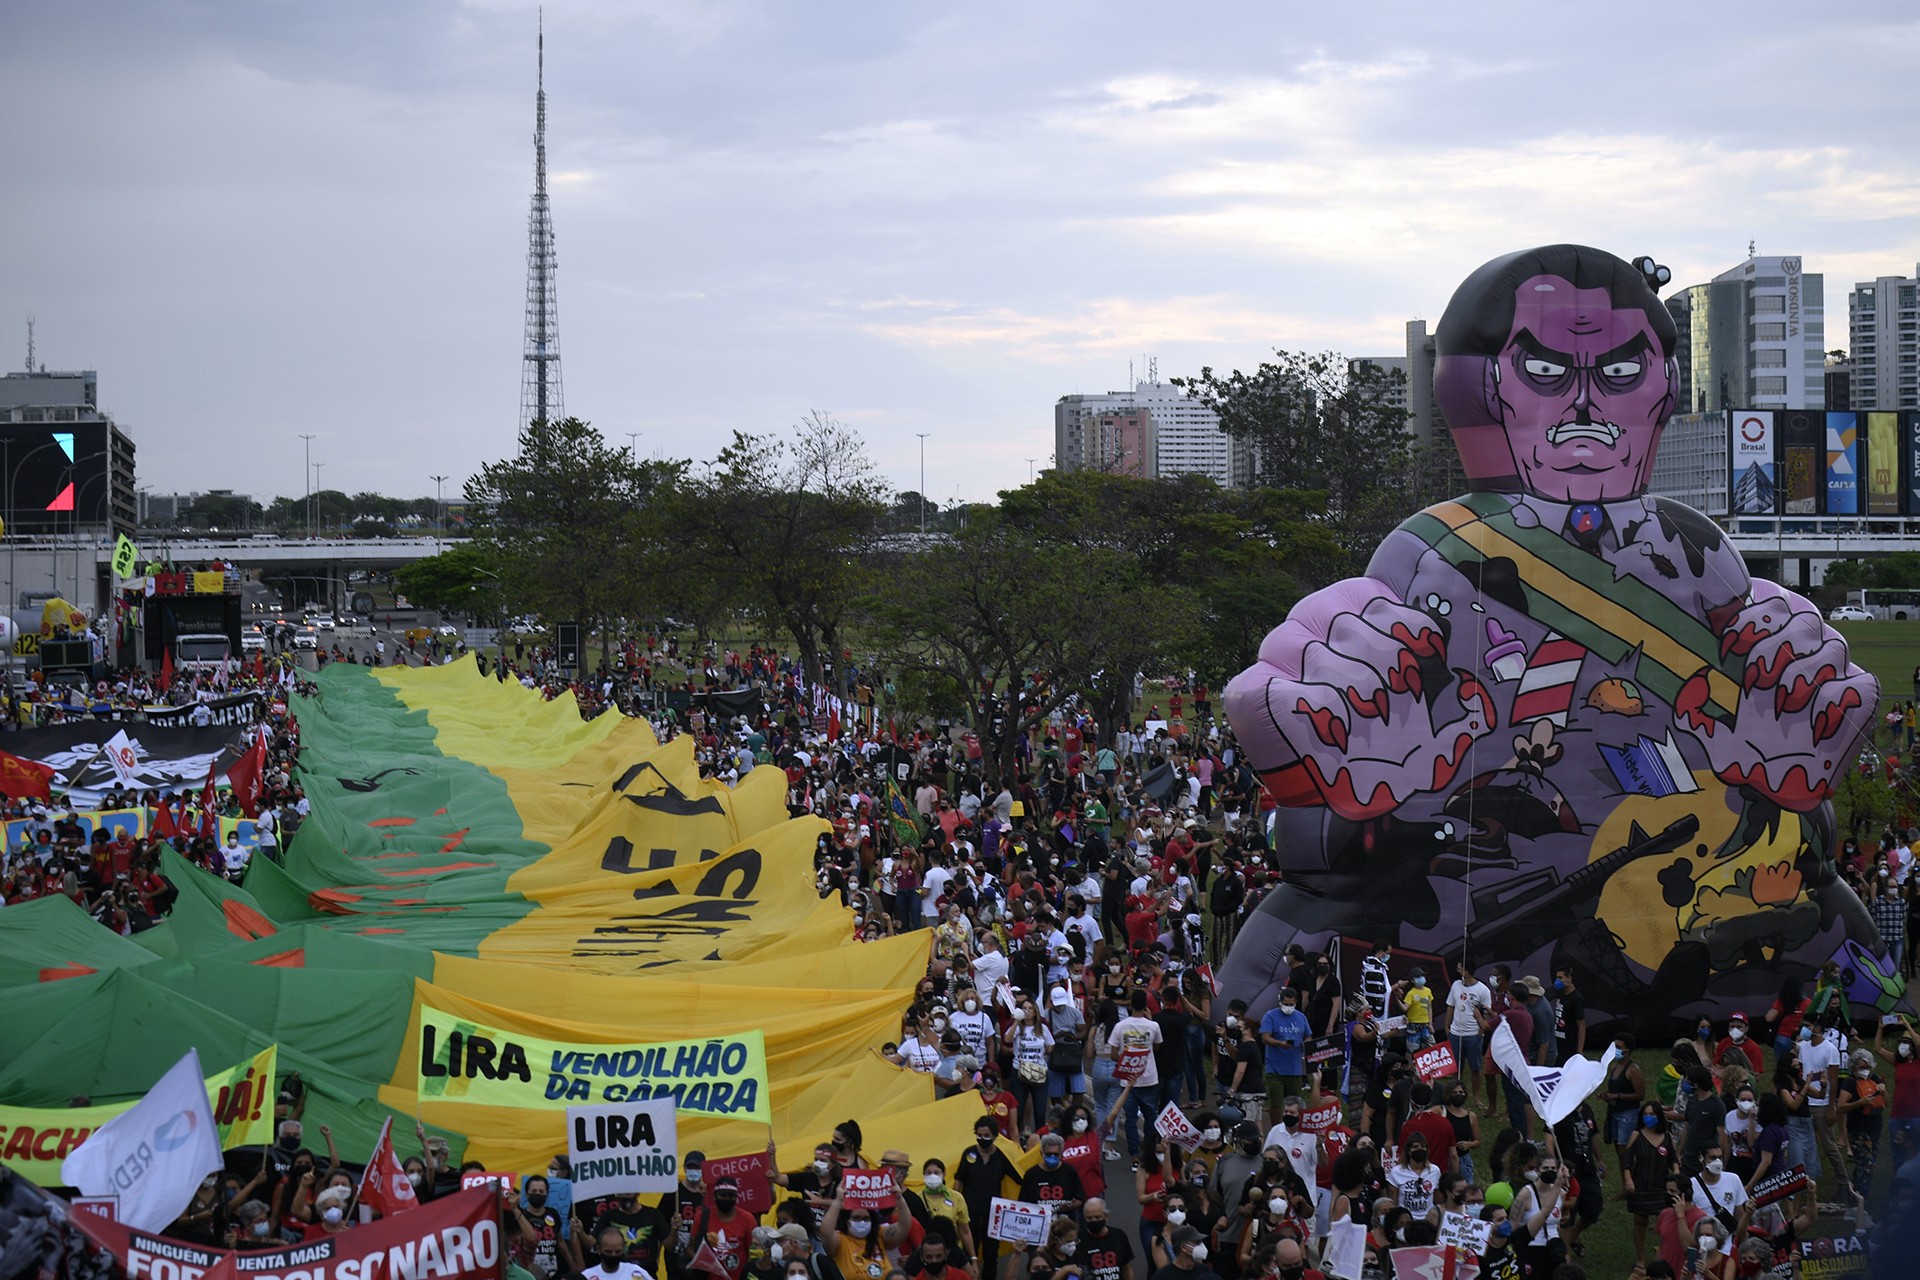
{"x": 1820, "y": 1063}
{"x": 1466, "y": 1000}
{"x": 1303, "y": 1148}
{"x": 1714, "y": 1190}
{"x": 1132, "y": 1040}
{"x": 932, "y": 886}
{"x": 990, "y": 970}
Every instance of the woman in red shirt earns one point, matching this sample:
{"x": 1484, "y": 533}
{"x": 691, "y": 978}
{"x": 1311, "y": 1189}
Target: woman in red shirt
{"x": 1784, "y": 1017}
{"x": 1904, "y": 1117}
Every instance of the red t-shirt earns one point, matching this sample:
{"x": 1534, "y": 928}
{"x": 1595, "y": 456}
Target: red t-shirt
{"x": 1082, "y": 1154}
{"x": 1004, "y": 1109}
{"x": 1437, "y": 1130}
{"x": 729, "y": 1235}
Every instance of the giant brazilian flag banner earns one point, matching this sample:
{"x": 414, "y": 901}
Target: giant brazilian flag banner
{"x": 495, "y": 910}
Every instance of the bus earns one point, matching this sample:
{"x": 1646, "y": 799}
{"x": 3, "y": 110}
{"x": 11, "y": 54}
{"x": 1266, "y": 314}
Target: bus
{"x": 1888, "y": 604}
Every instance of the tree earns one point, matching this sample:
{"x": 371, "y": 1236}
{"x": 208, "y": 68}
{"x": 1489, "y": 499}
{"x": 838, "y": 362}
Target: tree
{"x": 1320, "y": 422}
{"x": 220, "y": 510}
{"x": 1012, "y": 625}
{"x": 785, "y": 523}
{"x": 576, "y": 530}
{"x": 459, "y": 580}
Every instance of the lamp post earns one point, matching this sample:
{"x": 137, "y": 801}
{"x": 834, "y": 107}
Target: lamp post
{"x": 313, "y": 494}
{"x": 439, "y": 507}
{"x": 923, "y": 480}
{"x": 306, "y": 512}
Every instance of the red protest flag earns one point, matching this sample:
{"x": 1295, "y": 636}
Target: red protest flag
{"x": 244, "y": 775}
{"x": 166, "y": 671}
{"x": 164, "y": 824}
{"x": 385, "y": 1187}
{"x": 705, "y": 1259}
{"x": 22, "y": 779}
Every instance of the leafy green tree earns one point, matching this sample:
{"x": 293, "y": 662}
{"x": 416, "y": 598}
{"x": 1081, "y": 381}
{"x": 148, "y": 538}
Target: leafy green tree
{"x": 1323, "y": 423}
{"x": 1012, "y": 625}
{"x": 783, "y": 524}
{"x": 576, "y": 530}
{"x": 461, "y": 579}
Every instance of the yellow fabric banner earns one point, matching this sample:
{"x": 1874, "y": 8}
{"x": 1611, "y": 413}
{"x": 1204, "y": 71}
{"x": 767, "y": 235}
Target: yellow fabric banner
{"x": 34, "y": 1140}
{"x": 209, "y": 582}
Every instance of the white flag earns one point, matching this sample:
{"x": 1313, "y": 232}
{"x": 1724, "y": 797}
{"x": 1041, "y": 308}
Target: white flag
{"x": 1553, "y": 1091}
{"x": 153, "y": 1155}
{"x": 123, "y": 756}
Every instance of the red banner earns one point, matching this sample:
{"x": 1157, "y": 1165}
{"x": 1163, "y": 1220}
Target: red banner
{"x": 1431, "y": 1064}
{"x": 455, "y": 1236}
{"x": 868, "y": 1188}
{"x": 1321, "y": 1118}
{"x": 749, "y": 1173}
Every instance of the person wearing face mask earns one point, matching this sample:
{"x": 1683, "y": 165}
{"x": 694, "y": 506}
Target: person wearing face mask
{"x": 978, "y": 1173}
{"x": 1053, "y": 1181}
{"x": 641, "y": 1229}
{"x": 815, "y": 1184}
{"x": 549, "y": 1254}
{"x": 1862, "y": 1108}
{"x": 1743, "y": 1130}
{"x": 1719, "y": 1193}
{"x": 1414, "y": 1177}
{"x": 1284, "y": 1030}
{"x": 1290, "y": 1261}
{"x": 857, "y": 1241}
{"x": 204, "y": 1220}
{"x": 1103, "y": 1251}
{"x": 1538, "y": 1204}
{"x": 1082, "y": 1151}
{"x": 330, "y": 1212}
{"x": 726, "y": 1228}
{"x": 942, "y": 1202}
{"x": 1188, "y": 1260}
{"x": 609, "y": 1260}
{"x": 1646, "y": 1164}
{"x": 1466, "y": 1000}
{"x": 1903, "y": 1119}
{"x": 1738, "y": 1042}
{"x": 975, "y": 1027}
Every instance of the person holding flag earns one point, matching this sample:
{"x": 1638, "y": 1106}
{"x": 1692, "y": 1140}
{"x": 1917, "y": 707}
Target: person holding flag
{"x": 153, "y": 1156}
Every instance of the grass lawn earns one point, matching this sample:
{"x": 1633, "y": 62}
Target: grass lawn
{"x": 1889, "y": 650}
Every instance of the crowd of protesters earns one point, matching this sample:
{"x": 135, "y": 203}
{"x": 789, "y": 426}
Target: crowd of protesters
{"x": 1075, "y": 908}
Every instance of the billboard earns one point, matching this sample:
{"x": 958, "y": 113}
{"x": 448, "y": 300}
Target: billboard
{"x": 1883, "y": 464}
{"x": 1800, "y": 436}
{"x": 56, "y": 475}
{"x": 1843, "y": 464}
{"x": 1910, "y": 446}
{"x": 1753, "y": 470}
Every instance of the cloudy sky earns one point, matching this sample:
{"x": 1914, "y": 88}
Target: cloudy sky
{"x": 258, "y": 218}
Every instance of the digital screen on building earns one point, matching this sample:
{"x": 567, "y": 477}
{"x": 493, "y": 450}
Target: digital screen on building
{"x": 53, "y": 476}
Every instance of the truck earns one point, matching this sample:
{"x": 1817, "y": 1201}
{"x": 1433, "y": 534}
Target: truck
{"x": 201, "y": 651}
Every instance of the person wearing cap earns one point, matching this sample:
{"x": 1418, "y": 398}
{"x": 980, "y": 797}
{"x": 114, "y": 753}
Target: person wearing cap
{"x": 1189, "y": 1260}
{"x": 1736, "y": 1046}
{"x": 1540, "y": 1009}
{"x": 1067, "y": 1055}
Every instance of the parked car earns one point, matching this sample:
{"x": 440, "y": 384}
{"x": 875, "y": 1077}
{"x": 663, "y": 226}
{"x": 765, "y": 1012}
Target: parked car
{"x": 1850, "y": 613}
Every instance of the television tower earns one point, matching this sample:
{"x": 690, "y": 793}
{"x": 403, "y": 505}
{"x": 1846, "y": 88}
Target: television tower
{"x": 540, "y": 399}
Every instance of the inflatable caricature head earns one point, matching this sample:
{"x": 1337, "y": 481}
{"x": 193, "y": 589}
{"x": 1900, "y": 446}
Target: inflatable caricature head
{"x": 1556, "y": 374}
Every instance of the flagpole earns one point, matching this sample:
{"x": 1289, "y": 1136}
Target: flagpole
{"x": 91, "y": 761}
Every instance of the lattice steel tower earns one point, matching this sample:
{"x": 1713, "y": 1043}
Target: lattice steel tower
{"x": 540, "y": 399}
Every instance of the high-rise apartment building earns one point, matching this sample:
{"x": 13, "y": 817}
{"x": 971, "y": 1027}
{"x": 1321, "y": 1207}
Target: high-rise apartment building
{"x": 1154, "y": 430}
{"x": 1882, "y": 319}
{"x": 1753, "y": 337}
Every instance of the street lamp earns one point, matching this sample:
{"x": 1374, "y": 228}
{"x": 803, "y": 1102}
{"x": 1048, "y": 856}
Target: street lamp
{"x": 306, "y": 512}
{"x": 439, "y": 508}
{"x": 313, "y": 494}
{"x": 923, "y": 480}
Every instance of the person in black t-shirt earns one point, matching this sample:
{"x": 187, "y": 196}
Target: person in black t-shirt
{"x": 1104, "y": 1252}
{"x": 641, "y": 1226}
{"x": 1189, "y": 1258}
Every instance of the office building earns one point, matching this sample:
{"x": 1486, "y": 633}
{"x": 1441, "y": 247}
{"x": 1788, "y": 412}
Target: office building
{"x": 1839, "y": 382}
{"x": 1155, "y": 430}
{"x": 66, "y": 485}
{"x": 1882, "y": 317}
{"x": 1691, "y": 466}
{"x": 1753, "y": 337}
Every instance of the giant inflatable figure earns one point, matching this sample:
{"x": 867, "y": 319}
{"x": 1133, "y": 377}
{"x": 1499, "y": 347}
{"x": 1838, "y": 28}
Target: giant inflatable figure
{"x": 1557, "y": 723}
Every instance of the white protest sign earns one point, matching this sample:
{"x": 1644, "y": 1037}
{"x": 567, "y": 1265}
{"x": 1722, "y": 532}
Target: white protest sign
{"x": 1346, "y": 1250}
{"x": 1173, "y": 1125}
{"x": 1470, "y": 1235}
{"x": 1017, "y": 1222}
{"x": 623, "y": 1147}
